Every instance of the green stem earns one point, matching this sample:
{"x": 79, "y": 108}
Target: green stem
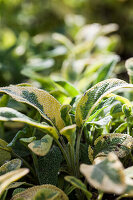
{"x": 64, "y": 154}
{"x": 77, "y": 152}
{"x": 100, "y": 196}
{"x": 72, "y": 157}
{"x": 35, "y": 161}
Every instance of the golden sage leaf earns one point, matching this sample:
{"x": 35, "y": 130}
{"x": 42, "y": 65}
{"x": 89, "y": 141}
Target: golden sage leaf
{"x": 41, "y": 147}
{"x": 45, "y": 103}
{"x": 10, "y": 166}
{"x": 46, "y": 194}
{"x": 5, "y": 152}
{"x": 70, "y": 133}
{"x": 118, "y": 143}
{"x": 31, "y": 192}
{"x": 94, "y": 95}
{"x": 8, "y": 178}
{"x": 9, "y": 114}
{"x": 108, "y": 175}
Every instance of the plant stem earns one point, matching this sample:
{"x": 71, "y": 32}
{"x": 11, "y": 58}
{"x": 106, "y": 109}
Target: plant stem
{"x": 100, "y": 196}
{"x": 77, "y": 152}
{"x": 64, "y": 154}
{"x": 35, "y": 161}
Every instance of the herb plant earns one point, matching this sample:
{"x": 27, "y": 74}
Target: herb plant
{"x": 61, "y": 144}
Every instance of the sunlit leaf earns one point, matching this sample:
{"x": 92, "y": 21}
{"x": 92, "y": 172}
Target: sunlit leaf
{"x": 41, "y": 147}
{"x": 10, "y": 166}
{"x": 94, "y": 95}
{"x": 30, "y": 193}
{"x": 9, "y": 114}
{"x": 70, "y": 133}
{"x": 8, "y": 178}
{"x": 46, "y": 104}
{"x": 118, "y": 143}
{"x": 108, "y": 175}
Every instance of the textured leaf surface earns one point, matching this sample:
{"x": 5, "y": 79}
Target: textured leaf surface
{"x": 8, "y": 178}
{"x": 78, "y": 184}
{"x": 41, "y": 147}
{"x": 10, "y": 166}
{"x": 46, "y": 104}
{"x": 107, "y": 175}
{"x": 46, "y": 194}
{"x": 94, "y": 95}
{"x": 5, "y": 154}
{"x": 30, "y": 193}
{"x": 120, "y": 144}
{"x": 49, "y": 165}
{"x": 9, "y": 114}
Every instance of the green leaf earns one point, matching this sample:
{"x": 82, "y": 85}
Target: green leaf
{"x": 27, "y": 140}
{"x": 10, "y": 166}
{"x": 94, "y": 95}
{"x": 46, "y": 104}
{"x": 78, "y": 184}
{"x": 107, "y": 176}
{"x": 120, "y": 144}
{"x": 65, "y": 109}
{"x": 8, "y": 178}
{"x": 30, "y": 193}
{"x": 9, "y": 114}
{"x": 46, "y": 194}
{"x": 41, "y": 147}
{"x": 68, "y": 87}
{"x": 102, "y": 122}
{"x": 5, "y": 152}
{"x": 70, "y": 133}
{"x": 48, "y": 166}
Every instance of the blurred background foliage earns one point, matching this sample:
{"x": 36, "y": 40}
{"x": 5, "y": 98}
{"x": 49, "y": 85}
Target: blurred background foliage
{"x": 27, "y": 40}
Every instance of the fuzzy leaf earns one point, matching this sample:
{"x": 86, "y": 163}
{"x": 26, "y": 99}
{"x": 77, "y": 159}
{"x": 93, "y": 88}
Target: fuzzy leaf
{"x": 94, "y": 95}
{"x": 46, "y": 104}
{"x": 8, "y": 178}
{"x": 107, "y": 175}
{"x": 10, "y": 166}
{"x": 120, "y": 144}
{"x": 41, "y": 147}
{"x": 5, "y": 154}
{"x": 46, "y": 194}
{"x": 9, "y": 114}
{"x": 129, "y": 172}
{"x": 48, "y": 166}
{"x": 102, "y": 122}
{"x": 78, "y": 184}
{"x": 31, "y": 192}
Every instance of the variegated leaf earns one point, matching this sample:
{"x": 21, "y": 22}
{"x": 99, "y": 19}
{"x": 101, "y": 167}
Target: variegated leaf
{"x": 8, "y": 178}
{"x": 45, "y": 103}
{"x": 10, "y": 166}
{"x": 94, "y": 95}
{"x": 31, "y": 192}
{"x": 118, "y": 143}
{"x": 70, "y": 133}
{"x": 9, "y": 114}
{"x": 108, "y": 175}
{"x": 46, "y": 193}
{"x": 41, "y": 147}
